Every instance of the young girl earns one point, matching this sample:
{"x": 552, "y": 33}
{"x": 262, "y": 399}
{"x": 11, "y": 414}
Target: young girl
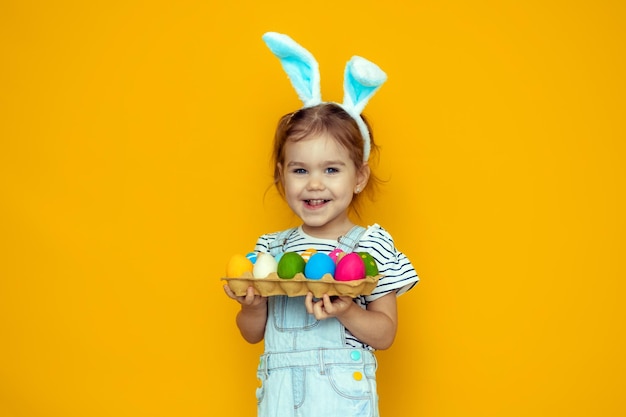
{"x": 319, "y": 353}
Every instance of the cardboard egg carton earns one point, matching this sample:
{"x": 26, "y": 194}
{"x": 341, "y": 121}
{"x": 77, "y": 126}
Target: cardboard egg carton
{"x": 299, "y": 285}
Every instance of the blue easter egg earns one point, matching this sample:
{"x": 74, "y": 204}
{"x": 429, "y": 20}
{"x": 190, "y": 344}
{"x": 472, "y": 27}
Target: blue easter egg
{"x": 251, "y": 256}
{"x": 319, "y": 265}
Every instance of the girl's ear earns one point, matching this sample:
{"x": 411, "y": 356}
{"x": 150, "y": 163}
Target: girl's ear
{"x": 362, "y": 177}
{"x": 280, "y": 171}
{"x": 300, "y": 66}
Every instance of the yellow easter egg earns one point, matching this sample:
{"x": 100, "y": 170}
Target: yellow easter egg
{"x": 237, "y": 265}
{"x": 306, "y": 255}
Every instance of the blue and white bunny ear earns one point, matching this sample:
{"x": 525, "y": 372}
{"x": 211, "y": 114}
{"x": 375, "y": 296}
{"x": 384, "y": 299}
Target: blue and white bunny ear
{"x": 300, "y": 66}
{"x": 362, "y": 79}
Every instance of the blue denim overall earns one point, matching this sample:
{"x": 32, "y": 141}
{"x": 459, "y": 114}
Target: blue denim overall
{"x": 306, "y": 369}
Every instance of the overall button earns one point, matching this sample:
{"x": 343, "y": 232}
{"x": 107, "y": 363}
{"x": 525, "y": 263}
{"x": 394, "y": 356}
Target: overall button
{"x": 357, "y": 376}
{"x": 355, "y": 355}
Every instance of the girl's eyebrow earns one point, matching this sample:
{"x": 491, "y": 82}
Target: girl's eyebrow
{"x": 324, "y": 163}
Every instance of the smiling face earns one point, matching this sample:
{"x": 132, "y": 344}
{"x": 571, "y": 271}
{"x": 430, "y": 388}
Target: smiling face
{"x": 319, "y": 180}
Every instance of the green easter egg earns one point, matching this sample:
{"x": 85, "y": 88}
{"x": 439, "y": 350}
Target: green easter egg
{"x": 371, "y": 269}
{"x": 290, "y": 264}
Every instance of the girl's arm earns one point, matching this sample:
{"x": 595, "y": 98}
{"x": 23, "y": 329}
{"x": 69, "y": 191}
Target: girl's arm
{"x": 252, "y": 317}
{"x": 375, "y": 326}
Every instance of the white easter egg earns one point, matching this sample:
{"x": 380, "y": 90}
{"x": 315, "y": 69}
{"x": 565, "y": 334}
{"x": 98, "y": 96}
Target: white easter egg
{"x": 265, "y": 264}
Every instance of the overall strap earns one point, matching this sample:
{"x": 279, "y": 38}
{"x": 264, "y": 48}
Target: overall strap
{"x": 277, "y": 245}
{"x": 350, "y": 240}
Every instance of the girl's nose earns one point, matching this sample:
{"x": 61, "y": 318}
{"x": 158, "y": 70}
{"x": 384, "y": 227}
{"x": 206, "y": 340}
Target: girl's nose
{"x": 315, "y": 183}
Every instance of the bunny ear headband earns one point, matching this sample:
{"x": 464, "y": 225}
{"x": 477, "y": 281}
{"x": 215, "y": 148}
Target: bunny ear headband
{"x": 362, "y": 79}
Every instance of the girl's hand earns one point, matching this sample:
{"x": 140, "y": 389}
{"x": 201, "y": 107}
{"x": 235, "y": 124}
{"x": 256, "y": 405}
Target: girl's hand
{"x": 327, "y": 307}
{"x": 249, "y": 300}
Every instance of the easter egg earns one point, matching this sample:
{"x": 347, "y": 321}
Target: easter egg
{"x": 252, "y": 256}
{"x": 319, "y": 265}
{"x": 306, "y": 255}
{"x": 350, "y": 267}
{"x": 337, "y": 254}
{"x": 237, "y": 265}
{"x": 265, "y": 264}
{"x": 290, "y": 264}
{"x": 371, "y": 269}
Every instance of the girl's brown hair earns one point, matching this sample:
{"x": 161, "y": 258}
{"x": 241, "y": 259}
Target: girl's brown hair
{"x": 325, "y": 118}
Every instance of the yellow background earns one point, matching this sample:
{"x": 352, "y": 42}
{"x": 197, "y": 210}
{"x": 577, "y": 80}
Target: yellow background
{"x": 134, "y": 148}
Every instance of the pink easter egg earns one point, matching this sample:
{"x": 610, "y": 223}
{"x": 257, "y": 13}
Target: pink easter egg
{"x": 350, "y": 267}
{"x": 336, "y": 254}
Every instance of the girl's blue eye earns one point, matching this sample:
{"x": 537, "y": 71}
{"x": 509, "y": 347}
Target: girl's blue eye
{"x": 299, "y": 171}
{"x": 332, "y": 170}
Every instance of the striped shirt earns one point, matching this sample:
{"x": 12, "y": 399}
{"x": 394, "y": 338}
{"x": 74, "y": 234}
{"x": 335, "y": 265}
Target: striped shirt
{"x": 397, "y": 272}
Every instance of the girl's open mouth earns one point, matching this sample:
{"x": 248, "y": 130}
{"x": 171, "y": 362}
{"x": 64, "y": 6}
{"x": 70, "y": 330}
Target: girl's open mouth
{"x": 314, "y": 203}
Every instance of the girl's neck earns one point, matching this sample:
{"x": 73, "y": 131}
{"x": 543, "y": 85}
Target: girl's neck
{"x": 331, "y": 233}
